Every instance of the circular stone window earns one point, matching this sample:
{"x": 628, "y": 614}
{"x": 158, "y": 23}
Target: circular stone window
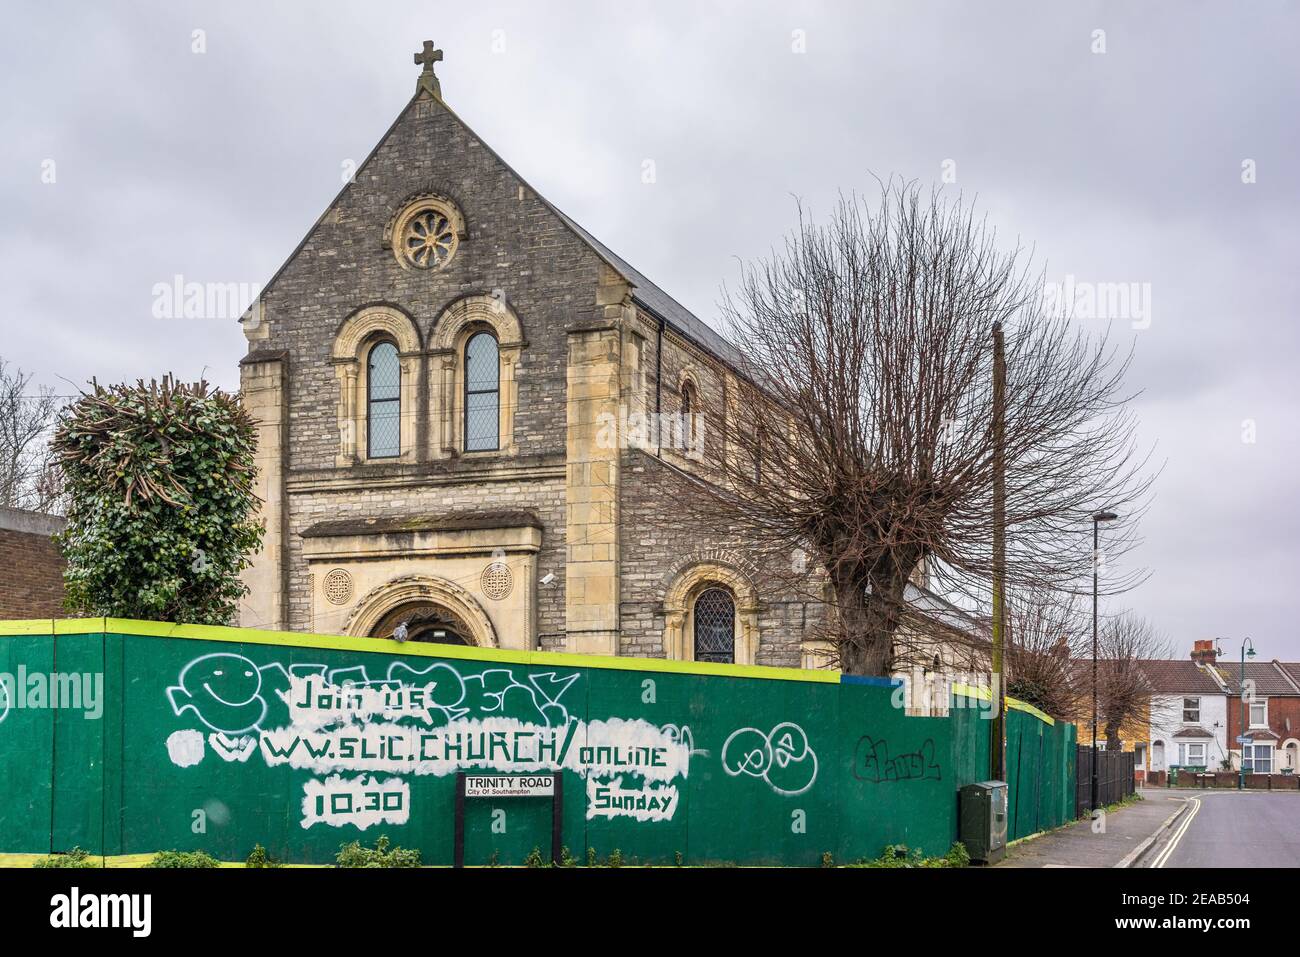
{"x": 497, "y": 581}
{"x": 426, "y": 234}
{"x": 338, "y": 586}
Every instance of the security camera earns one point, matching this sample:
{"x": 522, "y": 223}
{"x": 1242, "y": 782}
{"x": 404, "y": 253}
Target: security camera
{"x": 548, "y": 578}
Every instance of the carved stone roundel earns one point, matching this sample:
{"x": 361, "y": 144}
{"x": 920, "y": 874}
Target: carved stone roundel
{"x": 338, "y": 586}
{"x": 497, "y": 581}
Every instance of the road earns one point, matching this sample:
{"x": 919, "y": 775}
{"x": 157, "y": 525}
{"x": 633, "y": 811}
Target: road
{"x": 1234, "y": 829}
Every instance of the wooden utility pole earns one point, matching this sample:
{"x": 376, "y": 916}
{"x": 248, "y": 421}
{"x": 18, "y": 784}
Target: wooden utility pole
{"x": 997, "y": 748}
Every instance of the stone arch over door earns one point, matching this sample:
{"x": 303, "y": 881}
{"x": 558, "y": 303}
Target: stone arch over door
{"x": 422, "y": 590}
{"x": 686, "y": 586}
{"x": 447, "y": 339}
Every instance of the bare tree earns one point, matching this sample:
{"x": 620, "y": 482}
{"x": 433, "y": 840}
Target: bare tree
{"x": 858, "y": 428}
{"x": 1123, "y": 689}
{"x": 30, "y": 477}
{"x": 1047, "y": 639}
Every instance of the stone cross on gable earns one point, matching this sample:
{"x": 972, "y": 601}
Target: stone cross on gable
{"x": 427, "y": 81}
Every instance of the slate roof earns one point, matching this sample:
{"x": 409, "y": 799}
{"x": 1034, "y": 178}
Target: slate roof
{"x": 1178, "y": 676}
{"x": 1292, "y": 669}
{"x": 653, "y": 299}
{"x": 1269, "y": 676}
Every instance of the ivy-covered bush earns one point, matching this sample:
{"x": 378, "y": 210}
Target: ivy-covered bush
{"x": 161, "y": 513}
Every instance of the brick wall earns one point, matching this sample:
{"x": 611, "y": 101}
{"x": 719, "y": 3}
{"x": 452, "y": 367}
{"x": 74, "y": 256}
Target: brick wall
{"x": 32, "y": 564}
{"x": 1283, "y": 720}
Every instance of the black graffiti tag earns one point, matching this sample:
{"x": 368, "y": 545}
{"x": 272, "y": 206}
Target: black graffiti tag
{"x": 871, "y": 762}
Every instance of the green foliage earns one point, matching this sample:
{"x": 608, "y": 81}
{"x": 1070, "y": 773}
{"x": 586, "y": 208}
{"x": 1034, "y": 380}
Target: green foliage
{"x": 183, "y": 859}
{"x": 615, "y": 858}
{"x": 161, "y": 513}
{"x": 897, "y": 855}
{"x": 678, "y": 860}
{"x": 381, "y": 855}
{"x": 74, "y": 858}
{"x": 534, "y": 859}
{"x": 827, "y": 859}
{"x": 260, "y": 858}
{"x": 592, "y": 859}
{"x": 566, "y": 857}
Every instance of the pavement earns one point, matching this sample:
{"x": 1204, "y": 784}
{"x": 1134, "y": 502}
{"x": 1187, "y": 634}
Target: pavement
{"x": 1232, "y": 829}
{"x": 1124, "y": 838}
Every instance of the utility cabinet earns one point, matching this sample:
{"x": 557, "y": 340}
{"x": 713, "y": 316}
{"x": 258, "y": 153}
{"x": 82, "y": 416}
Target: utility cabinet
{"x": 982, "y": 820}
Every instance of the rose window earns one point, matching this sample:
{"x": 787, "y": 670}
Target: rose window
{"x": 429, "y": 240}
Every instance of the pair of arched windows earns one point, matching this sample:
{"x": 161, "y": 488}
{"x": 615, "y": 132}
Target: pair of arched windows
{"x": 482, "y": 397}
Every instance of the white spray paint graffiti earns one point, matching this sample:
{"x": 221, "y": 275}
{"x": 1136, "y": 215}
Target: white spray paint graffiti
{"x": 362, "y": 801}
{"x": 650, "y": 802}
{"x": 422, "y": 721}
{"x": 682, "y": 734}
{"x": 185, "y": 748}
{"x": 782, "y": 757}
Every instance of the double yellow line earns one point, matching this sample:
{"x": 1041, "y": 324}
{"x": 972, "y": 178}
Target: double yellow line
{"x": 1163, "y": 856}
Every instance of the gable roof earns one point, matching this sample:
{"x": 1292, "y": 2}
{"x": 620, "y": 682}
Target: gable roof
{"x": 1178, "y": 676}
{"x": 1269, "y": 676}
{"x": 645, "y": 294}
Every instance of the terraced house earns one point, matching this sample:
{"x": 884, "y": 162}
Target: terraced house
{"x": 443, "y": 374}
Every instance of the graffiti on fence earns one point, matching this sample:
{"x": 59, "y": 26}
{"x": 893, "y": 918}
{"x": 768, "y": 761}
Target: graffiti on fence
{"x": 872, "y": 763}
{"x": 782, "y": 757}
{"x": 430, "y": 720}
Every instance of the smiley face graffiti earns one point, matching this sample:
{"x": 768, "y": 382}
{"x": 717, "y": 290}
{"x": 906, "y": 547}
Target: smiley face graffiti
{"x": 223, "y": 690}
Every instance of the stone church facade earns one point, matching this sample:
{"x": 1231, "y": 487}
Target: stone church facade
{"x": 433, "y": 373}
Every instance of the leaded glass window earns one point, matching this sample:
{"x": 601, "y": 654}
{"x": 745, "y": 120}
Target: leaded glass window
{"x": 482, "y": 393}
{"x": 715, "y": 626}
{"x": 384, "y": 402}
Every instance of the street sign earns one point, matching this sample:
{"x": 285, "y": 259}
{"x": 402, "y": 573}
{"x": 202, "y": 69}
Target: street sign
{"x": 1243, "y": 739}
{"x": 508, "y": 786}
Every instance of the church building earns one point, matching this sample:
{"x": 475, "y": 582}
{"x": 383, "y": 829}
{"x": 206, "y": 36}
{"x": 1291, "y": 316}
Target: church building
{"x": 433, "y": 373}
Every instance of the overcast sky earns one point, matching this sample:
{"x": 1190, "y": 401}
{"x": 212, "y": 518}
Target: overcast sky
{"x": 208, "y": 155}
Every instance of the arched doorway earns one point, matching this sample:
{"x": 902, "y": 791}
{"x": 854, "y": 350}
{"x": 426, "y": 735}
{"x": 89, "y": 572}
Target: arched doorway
{"x": 423, "y": 621}
{"x": 432, "y": 609}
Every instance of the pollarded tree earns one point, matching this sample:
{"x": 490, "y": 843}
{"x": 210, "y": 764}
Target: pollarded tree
{"x": 859, "y": 428}
{"x": 1123, "y": 688}
{"x": 1047, "y": 638}
{"x": 161, "y": 514}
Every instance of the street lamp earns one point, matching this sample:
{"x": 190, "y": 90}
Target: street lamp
{"x": 1247, "y": 650}
{"x": 1097, "y": 519}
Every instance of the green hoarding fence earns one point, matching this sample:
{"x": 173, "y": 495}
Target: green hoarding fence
{"x": 216, "y": 739}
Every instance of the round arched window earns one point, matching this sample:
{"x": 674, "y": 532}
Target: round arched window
{"x": 384, "y": 402}
{"x": 714, "y": 616}
{"x": 482, "y": 393}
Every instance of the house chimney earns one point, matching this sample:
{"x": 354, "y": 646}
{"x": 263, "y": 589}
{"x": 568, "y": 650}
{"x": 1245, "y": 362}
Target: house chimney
{"x": 1203, "y": 652}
